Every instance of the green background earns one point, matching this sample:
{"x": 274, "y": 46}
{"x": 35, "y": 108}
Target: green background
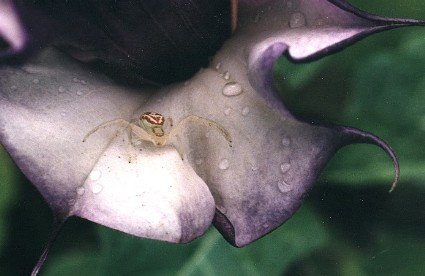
{"x": 349, "y": 224}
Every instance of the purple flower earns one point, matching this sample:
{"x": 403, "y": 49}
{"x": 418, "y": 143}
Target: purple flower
{"x": 51, "y": 101}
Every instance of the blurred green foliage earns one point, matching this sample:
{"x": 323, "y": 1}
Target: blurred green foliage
{"x": 121, "y": 254}
{"x": 349, "y": 225}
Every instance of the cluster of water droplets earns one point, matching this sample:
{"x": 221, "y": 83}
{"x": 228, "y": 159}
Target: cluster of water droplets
{"x": 231, "y": 89}
{"x": 95, "y": 187}
{"x": 282, "y": 185}
{"x": 297, "y": 20}
{"x": 94, "y": 177}
{"x": 77, "y": 80}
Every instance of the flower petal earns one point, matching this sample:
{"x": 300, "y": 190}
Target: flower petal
{"x": 311, "y": 29}
{"x": 275, "y": 159}
{"x": 47, "y": 108}
{"x": 12, "y": 34}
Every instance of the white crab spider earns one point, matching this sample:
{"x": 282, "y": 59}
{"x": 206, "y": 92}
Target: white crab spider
{"x": 150, "y": 127}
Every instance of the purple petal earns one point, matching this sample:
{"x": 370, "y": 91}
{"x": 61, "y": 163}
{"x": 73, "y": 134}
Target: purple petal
{"x": 310, "y": 29}
{"x": 277, "y": 157}
{"x": 13, "y": 35}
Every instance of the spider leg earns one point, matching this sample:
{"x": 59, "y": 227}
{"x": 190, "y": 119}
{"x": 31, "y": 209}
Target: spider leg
{"x": 179, "y": 151}
{"x": 196, "y": 119}
{"x": 105, "y": 125}
{"x": 143, "y": 134}
{"x": 130, "y": 147}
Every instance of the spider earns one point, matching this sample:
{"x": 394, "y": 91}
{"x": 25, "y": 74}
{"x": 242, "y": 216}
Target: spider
{"x": 150, "y": 127}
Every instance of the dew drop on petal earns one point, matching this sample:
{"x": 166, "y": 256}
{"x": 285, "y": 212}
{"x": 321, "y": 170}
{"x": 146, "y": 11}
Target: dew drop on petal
{"x": 63, "y": 113}
{"x": 283, "y": 186}
{"x": 232, "y": 89}
{"x": 245, "y": 111}
{"x": 289, "y": 4}
{"x": 297, "y": 20}
{"x": 95, "y": 175}
{"x": 75, "y": 80}
{"x": 80, "y": 191}
{"x": 226, "y": 75}
{"x": 222, "y": 209}
{"x": 71, "y": 202}
{"x": 61, "y": 89}
{"x": 227, "y": 110}
{"x": 199, "y": 161}
{"x": 36, "y": 81}
{"x": 284, "y": 167}
{"x": 224, "y": 164}
{"x": 286, "y": 142}
{"x": 96, "y": 188}
{"x": 137, "y": 143}
{"x": 319, "y": 22}
{"x": 218, "y": 66}
{"x": 13, "y": 87}
{"x": 79, "y": 93}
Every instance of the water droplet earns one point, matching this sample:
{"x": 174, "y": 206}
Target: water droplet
{"x": 218, "y": 66}
{"x": 35, "y": 81}
{"x": 257, "y": 18}
{"x": 289, "y": 4}
{"x": 232, "y": 89}
{"x": 96, "y": 188}
{"x": 226, "y": 75}
{"x": 13, "y": 87}
{"x": 284, "y": 167}
{"x": 297, "y": 20}
{"x": 254, "y": 168}
{"x": 283, "y": 186}
{"x": 71, "y": 202}
{"x": 61, "y": 89}
{"x": 63, "y": 113}
{"x": 95, "y": 175}
{"x": 222, "y": 209}
{"x": 79, "y": 93}
{"x": 81, "y": 190}
{"x": 224, "y": 164}
{"x": 286, "y": 142}
{"x": 319, "y": 22}
{"x": 245, "y": 111}
{"x": 75, "y": 80}
{"x": 227, "y": 110}
{"x": 199, "y": 161}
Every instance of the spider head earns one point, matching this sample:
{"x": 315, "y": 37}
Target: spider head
{"x": 153, "y": 123}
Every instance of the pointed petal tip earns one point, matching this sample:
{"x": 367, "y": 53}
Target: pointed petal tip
{"x": 398, "y": 22}
{"x": 225, "y": 227}
{"x": 357, "y": 136}
{"x": 58, "y": 223}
